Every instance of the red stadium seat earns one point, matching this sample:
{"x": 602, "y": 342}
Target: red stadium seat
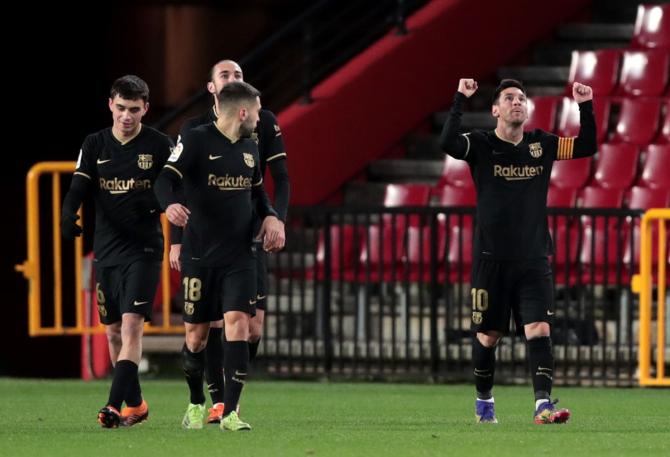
{"x": 601, "y": 239}
{"x": 342, "y": 250}
{"x": 646, "y": 198}
{"x": 456, "y": 173}
{"x": 616, "y": 165}
{"x": 568, "y": 122}
{"x": 638, "y": 121}
{"x": 643, "y": 198}
{"x": 458, "y": 265}
{"x": 561, "y": 198}
{"x": 383, "y": 244}
{"x": 596, "y": 197}
{"x": 571, "y": 174}
{"x": 541, "y": 113}
{"x": 664, "y": 135}
{"x": 655, "y": 168}
{"x": 644, "y": 73}
{"x": 381, "y": 253}
{"x": 652, "y": 27}
{"x": 457, "y": 196}
{"x": 457, "y": 229}
{"x": 406, "y": 195}
{"x": 566, "y": 242}
{"x": 598, "y": 69}
{"x": 563, "y": 233}
{"x": 419, "y": 251}
{"x": 418, "y": 238}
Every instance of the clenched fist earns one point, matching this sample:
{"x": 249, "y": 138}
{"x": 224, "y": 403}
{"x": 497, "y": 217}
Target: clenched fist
{"x": 467, "y": 87}
{"x": 581, "y": 92}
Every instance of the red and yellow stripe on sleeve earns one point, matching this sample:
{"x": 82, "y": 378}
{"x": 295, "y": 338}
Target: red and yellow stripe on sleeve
{"x": 565, "y": 148}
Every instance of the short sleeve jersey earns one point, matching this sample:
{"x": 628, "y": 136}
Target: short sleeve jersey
{"x": 218, "y": 176}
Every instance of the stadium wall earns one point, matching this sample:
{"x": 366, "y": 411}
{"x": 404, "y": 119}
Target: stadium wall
{"x": 366, "y": 107}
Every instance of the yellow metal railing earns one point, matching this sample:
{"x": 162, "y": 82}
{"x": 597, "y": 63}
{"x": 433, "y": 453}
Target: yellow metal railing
{"x": 643, "y": 284}
{"x": 32, "y": 266}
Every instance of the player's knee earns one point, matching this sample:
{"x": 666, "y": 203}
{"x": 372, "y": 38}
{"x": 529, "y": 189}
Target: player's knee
{"x": 237, "y": 326}
{"x": 195, "y": 342}
{"x": 132, "y": 331}
{"x": 256, "y": 327}
{"x": 488, "y": 340}
{"x": 113, "y": 333}
{"x": 255, "y": 333}
{"x": 537, "y": 330}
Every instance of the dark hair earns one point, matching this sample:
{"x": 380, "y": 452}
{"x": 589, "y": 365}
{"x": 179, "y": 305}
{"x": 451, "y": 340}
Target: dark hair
{"x": 506, "y": 84}
{"x": 235, "y": 93}
{"x": 130, "y": 87}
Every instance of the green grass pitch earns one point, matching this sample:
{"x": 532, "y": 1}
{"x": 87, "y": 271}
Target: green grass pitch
{"x": 57, "y": 418}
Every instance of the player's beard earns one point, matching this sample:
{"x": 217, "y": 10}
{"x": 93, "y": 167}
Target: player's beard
{"x": 246, "y": 129}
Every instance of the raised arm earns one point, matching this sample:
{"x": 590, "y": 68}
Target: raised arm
{"x": 585, "y": 144}
{"x": 451, "y": 141}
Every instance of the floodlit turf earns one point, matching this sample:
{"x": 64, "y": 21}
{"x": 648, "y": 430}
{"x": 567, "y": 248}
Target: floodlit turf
{"x": 57, "y": 418}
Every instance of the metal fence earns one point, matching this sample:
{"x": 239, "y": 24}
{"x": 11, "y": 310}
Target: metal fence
{"x": 385, "y": 293}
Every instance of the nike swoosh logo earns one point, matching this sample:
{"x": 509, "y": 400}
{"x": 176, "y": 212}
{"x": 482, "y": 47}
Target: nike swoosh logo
{"x": 211, "y": 157}
{"x": 138, "y": 303}
{"x": 152, "y": 211}
{"x": 103, "y": 161}
{"x": 550, "y": 313}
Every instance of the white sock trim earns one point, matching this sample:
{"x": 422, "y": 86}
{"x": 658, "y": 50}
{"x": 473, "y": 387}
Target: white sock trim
{"x": 540, "y": 401}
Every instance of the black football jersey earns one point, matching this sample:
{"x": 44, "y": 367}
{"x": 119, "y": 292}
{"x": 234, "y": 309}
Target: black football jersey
{"x": 121, "y": 176}
{"x": 268, "y": 135}
{"x": 512, "y": 181}
{"x": 219, "y": 177}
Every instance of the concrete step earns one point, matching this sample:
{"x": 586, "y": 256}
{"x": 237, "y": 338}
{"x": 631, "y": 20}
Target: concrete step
{"x": 470, "y": 120}
{"x": 400, "y": 170}
{"x": 424, "y": 146}
{"x": 595, "y": 32}
{"x": 616, "y": 11}
{"x": 545, "y": 91}
{"x": 360, "y": 193}
{"x": 560, "y": 53}
{"x": 536, "y": 74}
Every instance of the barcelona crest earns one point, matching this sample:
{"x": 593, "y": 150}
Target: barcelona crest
{"x": 535, "y": 150}
{"x": 249, "y": 159}
{"x": 145, "y": 161}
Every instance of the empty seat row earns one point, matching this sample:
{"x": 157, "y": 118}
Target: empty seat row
{"x": 640, "y": 121}
{"x": 652, "y": 27}
{"x": 616, "y": 166}
{"x": 621, "y": 72}
{"x": 399, "y": 247}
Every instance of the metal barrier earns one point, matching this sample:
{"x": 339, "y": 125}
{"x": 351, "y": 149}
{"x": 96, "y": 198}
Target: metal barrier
{"x": 32, "y": 267}
{"x": 643, "y": 284}
{"x": 385, "y": 293}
